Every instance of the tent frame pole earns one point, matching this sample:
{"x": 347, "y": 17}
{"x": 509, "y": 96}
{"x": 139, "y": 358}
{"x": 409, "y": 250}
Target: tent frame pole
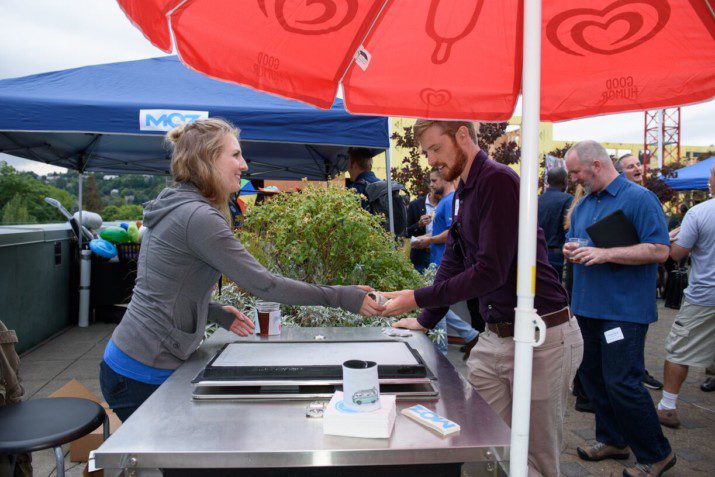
{"x": 526, "y": 319}
{"x": 388, "y": 175}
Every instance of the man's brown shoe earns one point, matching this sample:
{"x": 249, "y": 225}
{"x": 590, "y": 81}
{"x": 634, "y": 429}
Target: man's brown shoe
{"x": 468, "y": 348}
{"x": 651, "y": 470}
{"x": 600, "y": 451}
{"x": 669, "y": 418}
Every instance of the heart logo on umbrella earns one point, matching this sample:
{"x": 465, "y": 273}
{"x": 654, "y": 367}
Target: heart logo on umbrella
{"x": 434, "y": 97}
{"x": 323, "y": 16}
{"x": 621, "y": 26}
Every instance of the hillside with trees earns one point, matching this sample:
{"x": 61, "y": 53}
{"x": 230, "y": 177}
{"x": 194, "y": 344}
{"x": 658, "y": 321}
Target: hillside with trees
{"x": 114, "y": 197}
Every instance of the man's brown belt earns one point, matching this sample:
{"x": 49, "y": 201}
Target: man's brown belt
{"x": 506, "y": 330}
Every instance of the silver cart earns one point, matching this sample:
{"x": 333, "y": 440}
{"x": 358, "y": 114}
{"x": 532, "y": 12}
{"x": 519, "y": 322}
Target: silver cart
{"x": 174, "y": 434}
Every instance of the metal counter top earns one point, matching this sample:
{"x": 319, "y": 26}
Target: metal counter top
{"x": 170, "y": 430}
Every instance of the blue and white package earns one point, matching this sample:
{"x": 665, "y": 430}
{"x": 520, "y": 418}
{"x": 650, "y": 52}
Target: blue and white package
{"x": 431, "y": 419}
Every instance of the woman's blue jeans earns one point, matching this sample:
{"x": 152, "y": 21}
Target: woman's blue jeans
{"x": 124, "y": 395}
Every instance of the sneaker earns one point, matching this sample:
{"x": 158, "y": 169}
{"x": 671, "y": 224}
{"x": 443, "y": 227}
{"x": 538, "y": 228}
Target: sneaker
{"x": 708, "y": 385}
{"x": 600, "y": 451}
{"x": 468, "y": 348}
{"x": 584, "y": 405}
{"x": 669, "y": 418}
{"x": 651, "y": 470}
{"x": 650, "y": 382}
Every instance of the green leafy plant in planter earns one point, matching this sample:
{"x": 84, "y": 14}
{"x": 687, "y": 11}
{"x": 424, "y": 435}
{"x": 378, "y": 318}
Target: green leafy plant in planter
{"x": 315, "y": 316}
{"x": 324, "y": 236}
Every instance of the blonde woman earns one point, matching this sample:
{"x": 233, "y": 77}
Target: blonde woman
{"x": 568, "y": 275}
{"x": 187, "y": 246}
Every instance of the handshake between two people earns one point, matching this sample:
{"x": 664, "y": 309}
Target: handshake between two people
{"x": 393, "y": 304}
{"x": 374, "y": 304}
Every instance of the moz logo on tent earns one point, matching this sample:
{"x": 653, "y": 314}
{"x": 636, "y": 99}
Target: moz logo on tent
{"x": 167, "y": 119}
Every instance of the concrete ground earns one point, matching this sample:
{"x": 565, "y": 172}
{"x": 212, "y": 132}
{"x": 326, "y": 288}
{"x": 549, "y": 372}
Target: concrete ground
{"x": 76, "y": 354}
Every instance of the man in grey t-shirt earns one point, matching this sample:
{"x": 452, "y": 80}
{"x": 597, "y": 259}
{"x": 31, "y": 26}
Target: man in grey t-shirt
{"x": 691, "y": 341}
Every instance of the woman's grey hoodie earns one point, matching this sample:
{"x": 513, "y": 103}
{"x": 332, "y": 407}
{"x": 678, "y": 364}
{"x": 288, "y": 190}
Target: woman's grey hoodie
{"x": 185, "y": 249}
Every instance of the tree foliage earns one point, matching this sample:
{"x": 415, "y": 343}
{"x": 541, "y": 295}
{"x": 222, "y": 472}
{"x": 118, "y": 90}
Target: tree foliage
{"x": 29, "y": 193}
{"x": 411, "y": 173}
{"x": 653, "y": 181}
{"x": 123, "y": 212}
{"x": 324, "y": 236}
{"x": 15, "y": 212}
{"x": 91, "y": 198}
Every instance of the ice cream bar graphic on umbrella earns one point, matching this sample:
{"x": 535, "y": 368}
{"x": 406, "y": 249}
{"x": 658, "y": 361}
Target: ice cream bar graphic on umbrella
{"x": 448, "y": 21}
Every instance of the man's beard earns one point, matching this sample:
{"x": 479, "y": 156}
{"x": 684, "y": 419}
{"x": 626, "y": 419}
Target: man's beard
{"x": 588, "y": 185}
{"x": 451, "y": 173}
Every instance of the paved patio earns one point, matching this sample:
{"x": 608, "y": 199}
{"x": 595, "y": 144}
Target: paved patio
{"x": 76, "y": 354}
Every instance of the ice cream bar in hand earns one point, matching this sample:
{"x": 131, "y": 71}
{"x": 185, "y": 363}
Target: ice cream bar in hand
{"x": 379, "y": 298}
{"x": 431, "y": 419}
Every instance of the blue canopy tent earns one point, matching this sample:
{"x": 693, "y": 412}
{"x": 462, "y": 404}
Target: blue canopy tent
{"x": 693, "y": 177}
{"x": 113, "y": 117}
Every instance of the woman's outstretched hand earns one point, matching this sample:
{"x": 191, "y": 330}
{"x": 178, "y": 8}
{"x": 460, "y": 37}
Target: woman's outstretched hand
{"x": 369, "y": 306}
{"x": 242, "y": 325}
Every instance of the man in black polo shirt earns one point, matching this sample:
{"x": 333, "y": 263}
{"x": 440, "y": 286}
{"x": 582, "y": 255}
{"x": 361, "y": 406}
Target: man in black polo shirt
{"x": 480, "y": 262}
{"x": 554, "y": 203}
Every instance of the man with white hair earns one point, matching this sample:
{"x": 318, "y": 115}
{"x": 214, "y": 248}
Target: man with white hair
{"x": 691, "y": 341}
{"x": 614, "y": 300}
{"x": 630, "y": 166}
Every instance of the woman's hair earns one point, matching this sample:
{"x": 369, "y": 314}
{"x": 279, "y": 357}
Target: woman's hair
{"x": 578, "y": 195}
{"x": 196, "y": 147}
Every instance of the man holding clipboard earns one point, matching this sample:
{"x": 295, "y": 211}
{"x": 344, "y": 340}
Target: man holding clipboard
{"x": 623, "y": 228}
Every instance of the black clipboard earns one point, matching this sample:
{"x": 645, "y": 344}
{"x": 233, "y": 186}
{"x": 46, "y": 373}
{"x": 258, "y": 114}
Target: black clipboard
{"x": 614, "y": 230}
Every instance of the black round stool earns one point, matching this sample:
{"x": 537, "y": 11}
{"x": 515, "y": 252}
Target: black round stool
{"x": 43, "y": 423}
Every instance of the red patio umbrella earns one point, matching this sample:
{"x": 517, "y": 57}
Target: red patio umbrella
{"x": 456, "y": 59}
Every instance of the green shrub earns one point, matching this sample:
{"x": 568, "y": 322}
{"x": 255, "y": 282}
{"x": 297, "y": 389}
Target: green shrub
{"x": 324, "y": 236}
{"x": 123, "y": 212}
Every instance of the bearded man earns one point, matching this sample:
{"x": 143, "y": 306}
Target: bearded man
{"x": 480, "y": 262}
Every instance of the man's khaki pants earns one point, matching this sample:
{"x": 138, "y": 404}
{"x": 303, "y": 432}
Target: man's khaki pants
{"x": 491, "y": 372}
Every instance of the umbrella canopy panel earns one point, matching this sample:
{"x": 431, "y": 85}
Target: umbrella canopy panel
{"x": 113, "y": 118}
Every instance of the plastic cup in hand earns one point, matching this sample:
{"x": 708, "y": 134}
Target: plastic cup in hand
{"x": 576, "y": 243}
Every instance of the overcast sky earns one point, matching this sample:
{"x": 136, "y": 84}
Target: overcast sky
{"x": 48, "y": 35}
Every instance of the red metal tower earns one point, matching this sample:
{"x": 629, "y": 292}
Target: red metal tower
{"x": 669, "y": 126}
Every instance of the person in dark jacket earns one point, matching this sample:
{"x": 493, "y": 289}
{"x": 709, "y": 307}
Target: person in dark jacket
{"x": 554, "y": 203}
{"x": 360, "y": 170}
{"x": 420, "y": 213}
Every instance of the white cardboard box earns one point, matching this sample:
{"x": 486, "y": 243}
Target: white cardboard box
{"x": 340, "y": 421}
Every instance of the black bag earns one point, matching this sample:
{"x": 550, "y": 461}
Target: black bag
{"x": 376, "y": 193}
{"x": 675, "y": 284}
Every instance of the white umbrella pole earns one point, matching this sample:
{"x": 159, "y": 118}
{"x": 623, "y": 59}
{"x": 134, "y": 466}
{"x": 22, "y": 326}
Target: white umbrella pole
{"x": 388, "y": 175}
{"x": 526, "y": 317}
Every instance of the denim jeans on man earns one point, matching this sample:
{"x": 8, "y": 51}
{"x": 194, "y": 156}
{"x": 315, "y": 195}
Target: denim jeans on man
{"x": 611, "y": 375}
{"x": 452, "y": 322}
{"x": 124, "y": 395}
